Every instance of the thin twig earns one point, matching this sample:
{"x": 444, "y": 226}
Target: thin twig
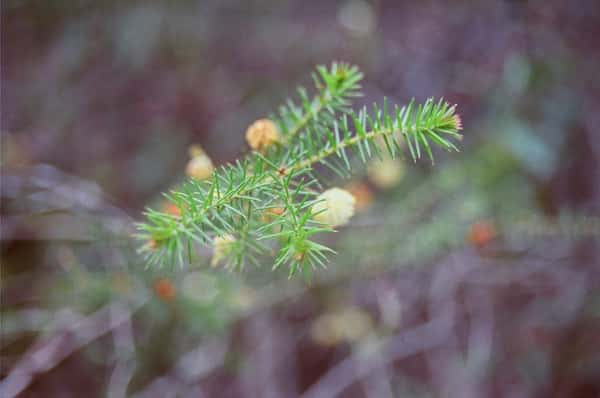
{"x": 408, "y": 343}
{"x": 46, "y": 353}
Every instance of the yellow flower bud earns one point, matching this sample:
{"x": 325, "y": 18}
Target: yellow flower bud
{"x": 334, "y": 207}
{"x": 385, "y": 173}
{"x": 222, "y": 246}
{"x": 195, "y": 150}
{"x": 200, "y": 167}
{"x": 262, "y": 134}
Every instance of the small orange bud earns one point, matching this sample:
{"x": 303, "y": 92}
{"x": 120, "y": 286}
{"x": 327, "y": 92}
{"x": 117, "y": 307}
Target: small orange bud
{"x": 164, "y": 289}
{"x": 171, "y": 208}
{"x": 362, "y": 193}
{"x": 298, "y": 256}
{"x": 277, "y": 211}
{"x": 152, "y": 244}
{"x": 272, "y": 213}
{"x": 481, "y": 233}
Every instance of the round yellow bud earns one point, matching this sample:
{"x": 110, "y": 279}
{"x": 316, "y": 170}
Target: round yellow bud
{"x": 200, "y": 167}
{"x": 195, "y": 150}
{"x": 334, "y": 207}
{"x": 386, "y": 173}
{"x": 262, "y": 134}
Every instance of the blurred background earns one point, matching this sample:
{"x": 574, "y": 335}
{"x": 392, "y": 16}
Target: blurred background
{"x": 479, "y": 277}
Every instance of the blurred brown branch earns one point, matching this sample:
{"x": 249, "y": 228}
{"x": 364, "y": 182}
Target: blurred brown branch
{"x": 48, "y": 352}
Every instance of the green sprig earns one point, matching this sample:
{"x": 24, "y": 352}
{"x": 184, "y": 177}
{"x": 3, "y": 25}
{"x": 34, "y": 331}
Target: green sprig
{"x": 336, "y": 87}
{"x": 235, "y": 200}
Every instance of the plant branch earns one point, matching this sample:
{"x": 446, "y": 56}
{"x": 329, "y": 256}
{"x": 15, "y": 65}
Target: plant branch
{"x": 234, "y": 199}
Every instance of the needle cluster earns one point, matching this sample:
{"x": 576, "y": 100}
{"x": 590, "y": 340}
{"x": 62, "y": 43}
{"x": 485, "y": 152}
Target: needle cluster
{"x": 267, "y": 204}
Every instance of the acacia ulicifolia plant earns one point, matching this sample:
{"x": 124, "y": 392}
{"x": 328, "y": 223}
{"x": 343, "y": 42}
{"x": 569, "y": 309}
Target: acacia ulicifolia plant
{"x": 272, "y": 203}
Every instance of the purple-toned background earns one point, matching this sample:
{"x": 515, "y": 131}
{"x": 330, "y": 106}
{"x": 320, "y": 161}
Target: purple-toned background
{"x": 101, "y": 99}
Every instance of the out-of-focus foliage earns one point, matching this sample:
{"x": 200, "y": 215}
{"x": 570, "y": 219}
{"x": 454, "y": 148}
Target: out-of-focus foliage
{"x": 477, "y": 278}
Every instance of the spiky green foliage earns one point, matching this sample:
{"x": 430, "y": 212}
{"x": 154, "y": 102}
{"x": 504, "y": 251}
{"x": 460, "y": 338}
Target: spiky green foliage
{"x": 335, "y": 89}
{"x": 239, "y": 199}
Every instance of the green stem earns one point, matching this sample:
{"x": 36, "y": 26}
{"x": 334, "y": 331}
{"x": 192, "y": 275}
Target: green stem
{"x": 341, "y": 146}
{"x": 299, "y": 166}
